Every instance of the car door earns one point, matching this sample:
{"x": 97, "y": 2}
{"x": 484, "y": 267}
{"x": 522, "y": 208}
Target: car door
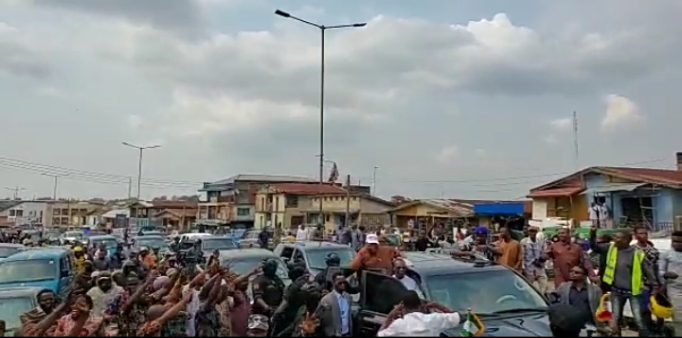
{"x": 379, "y": 294}
{"x": 65, "y": 276}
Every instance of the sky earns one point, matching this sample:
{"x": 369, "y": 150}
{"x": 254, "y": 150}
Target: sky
{"x": 448, "y": 98}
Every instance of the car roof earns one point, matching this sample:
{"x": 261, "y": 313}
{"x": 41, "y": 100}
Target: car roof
{"x": 11, "y": 245}
{"x": 441, "y": 264}
{"x": 246, "y": 253}
{"x": 217, "y": 237}
{"x": 19, "y": 292}
{"x": 96, "y": 237}
{"x": 315, "y": 245}
{"x": 46, "y": 253}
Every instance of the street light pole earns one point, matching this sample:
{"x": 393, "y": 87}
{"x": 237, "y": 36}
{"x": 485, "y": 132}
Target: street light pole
{"x": 374, "y": 180}
{"x": 139, "y": 163}
{"x": 322, "y": 29}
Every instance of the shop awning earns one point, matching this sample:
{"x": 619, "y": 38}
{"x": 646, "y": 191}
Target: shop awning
{"x": 612, "y": 187}
{"x": 557, "y": 192}
{"x": 501, "y": 209}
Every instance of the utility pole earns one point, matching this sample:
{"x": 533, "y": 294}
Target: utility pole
{"x": 374, "y": 181}
{"x": 56, "y": 183}
{"x": 16, "y": 191}
{"x": 130, "y": 187}
{"x": 139, "y": 164}
{"x": 347, "y": 219}
{"x": 575, "y": 140}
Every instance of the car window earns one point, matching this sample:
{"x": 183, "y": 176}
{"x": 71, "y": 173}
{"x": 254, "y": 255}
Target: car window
{"x": 11, "y": 307}
{"x": 7, "y": 251}
{"x": 298, "y": 256}
{"x": 381, "y": 292}
{"x": 287, "y": 252}
{"x": 317, "y": 258}
{"x": 504, "y": 290}
{"x": 217, "y": 244}
{"x": 27, "y": 271}
{"x": 243, "y": 266}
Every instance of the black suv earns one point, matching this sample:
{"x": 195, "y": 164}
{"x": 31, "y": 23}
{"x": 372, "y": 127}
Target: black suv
{"x": 506, "y": 303}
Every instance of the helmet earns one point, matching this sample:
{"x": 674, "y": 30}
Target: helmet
{"x": 78, "y": 249}
{"x": 660, "y": 306}
{"x": 333, "y": 259}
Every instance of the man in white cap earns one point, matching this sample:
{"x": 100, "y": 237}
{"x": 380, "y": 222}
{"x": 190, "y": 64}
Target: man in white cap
{"x": 374, "y": 256}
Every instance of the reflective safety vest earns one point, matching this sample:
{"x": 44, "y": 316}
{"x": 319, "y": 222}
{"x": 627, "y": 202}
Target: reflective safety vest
{"x": 612, "y": 261}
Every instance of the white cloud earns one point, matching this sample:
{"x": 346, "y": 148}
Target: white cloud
{"x": 448, "y": 154}
{"x": 561, "y": 125}
{"x": 621, "y": 113}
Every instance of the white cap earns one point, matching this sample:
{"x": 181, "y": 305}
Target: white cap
{"x": 372, "y": 239}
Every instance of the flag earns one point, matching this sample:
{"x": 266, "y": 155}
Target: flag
{"x": 472, "y": 327}
{"x": 334, "y": 175}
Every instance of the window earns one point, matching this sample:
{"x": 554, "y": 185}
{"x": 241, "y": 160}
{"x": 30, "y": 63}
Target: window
{"x": 56, "y": 212}
{"x": 382, "y": 292}
{"x": 287, "y": 252}
{"x": 243, "y": 212}
{"x": 19, "y": 213}
{"x": 317, "y": 258}
{"x": 12, "y": 212}
{"x": 65, "y": 220}
{"x": 298, "y": 256}
{"x": 27, "y": 271}
{"x": 56, "y": 221}
{"x": 292, "y": 201}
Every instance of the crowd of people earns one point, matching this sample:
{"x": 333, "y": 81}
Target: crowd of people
{"x": 128, "y": 293}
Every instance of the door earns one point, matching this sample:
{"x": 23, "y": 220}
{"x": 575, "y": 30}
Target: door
{"x": 379, "y": 294}
{"x": 65, "y": 276}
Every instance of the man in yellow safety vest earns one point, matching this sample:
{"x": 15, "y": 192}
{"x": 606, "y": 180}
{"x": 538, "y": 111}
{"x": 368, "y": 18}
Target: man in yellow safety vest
{"x": 626, "y": 270}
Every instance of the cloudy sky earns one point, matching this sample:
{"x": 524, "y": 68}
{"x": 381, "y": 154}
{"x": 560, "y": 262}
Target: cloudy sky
{"x": 448, "y": 98}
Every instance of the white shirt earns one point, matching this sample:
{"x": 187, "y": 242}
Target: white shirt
{"x": 192, "y": 309}
{"x": 408, "y": 282}
{"x": 417, "y": 324}
{"x": 593, "y": 210}
{"x": 302, "y": 234}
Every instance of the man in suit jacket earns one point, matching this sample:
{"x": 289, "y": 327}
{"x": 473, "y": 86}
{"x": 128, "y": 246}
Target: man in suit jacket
{"x": 334, "y": 311}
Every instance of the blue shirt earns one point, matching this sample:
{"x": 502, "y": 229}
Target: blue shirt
{"x": 344, "y": 309}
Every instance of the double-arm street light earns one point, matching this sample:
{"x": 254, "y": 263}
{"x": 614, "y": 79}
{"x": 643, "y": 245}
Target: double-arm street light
{"x": 322, "y": 29}
{"x": 139, "y": 164}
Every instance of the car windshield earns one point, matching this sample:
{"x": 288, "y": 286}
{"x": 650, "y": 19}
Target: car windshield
{"x": 10, "y": 307}
{"x": 243, "y": 266}
{"x": 208, "y": 244}
{"x": 6, "y": 252}
{"x": 317, "y": 258}
{"x": 504, "y": 291}
{"x": 27, "y": 271}
{"x": 151, "y": 242}
{"x": 76, "y": 234}
{"x": 108, "y": 243}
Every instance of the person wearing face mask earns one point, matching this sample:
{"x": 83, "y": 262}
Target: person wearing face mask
{"x": 268, "y": 289}
{"x": 103, "y": 293}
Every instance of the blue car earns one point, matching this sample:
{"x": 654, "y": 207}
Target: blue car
{"x": 41, "y": 268}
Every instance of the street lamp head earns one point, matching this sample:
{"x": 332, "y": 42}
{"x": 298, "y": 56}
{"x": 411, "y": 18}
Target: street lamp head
{"x": 282, "y": 13}
{"x": 360, "y": 24}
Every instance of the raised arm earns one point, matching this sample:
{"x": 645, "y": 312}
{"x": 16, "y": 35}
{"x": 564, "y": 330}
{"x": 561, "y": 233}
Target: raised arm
{"x": 174, "y": 310}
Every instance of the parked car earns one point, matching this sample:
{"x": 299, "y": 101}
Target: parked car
{"x": 110, "y": 242}
{"x": 314, "y": 254}
{"x": 191, "y": 236}
{"x": 151, "y": 243}
{"x": 212, "y": 243}
{"x": 509, "y": 307}
{"x": 13, "y": 303}
{"x": 8, "y": 249}
{"x": 71, "y": 237}
{"x": 250, "y": 239}
{"x": 46, "y": 268}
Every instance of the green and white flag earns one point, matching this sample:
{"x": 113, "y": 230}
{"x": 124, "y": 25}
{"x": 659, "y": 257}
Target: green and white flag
{"x": 472, "y": 327}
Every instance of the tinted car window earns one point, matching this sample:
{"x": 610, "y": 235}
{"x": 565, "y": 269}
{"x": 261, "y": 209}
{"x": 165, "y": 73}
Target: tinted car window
{"x": 245, "y": 265}
{"x": 317, "y": 258}
{"x": 382, "y": 292}
{"x": 504, "y": 290}
{"x": 218, "y": 243}
{"x": 27, "y": 271}
{"x": 6, "y": 252}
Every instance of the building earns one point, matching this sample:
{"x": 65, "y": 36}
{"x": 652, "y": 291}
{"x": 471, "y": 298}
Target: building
{"x": 176, "y": 215}
{"x": 5, "y": 206}
{"x": 64, "y": 213}
{"x": 425, "y": 213}
{"x": 633, "y": 196}
{"x": 29, "y": 212}
{"x": 288, "y": 205}
{"x": 233, "y": 200}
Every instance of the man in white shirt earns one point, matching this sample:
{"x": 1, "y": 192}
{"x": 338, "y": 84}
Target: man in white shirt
{"x": 302, "y": 233}
{"x": 399, "y": 270}
{"x": 408, "y": 320}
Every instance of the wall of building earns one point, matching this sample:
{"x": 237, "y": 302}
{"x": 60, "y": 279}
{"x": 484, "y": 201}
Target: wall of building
{"x": 539, "y": 208}
{"x": 31, "y": 213}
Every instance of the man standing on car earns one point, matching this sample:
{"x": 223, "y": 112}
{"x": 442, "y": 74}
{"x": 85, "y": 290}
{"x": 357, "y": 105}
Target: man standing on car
{"x": 374, "y": 256}
{"x": 534, "y": 258}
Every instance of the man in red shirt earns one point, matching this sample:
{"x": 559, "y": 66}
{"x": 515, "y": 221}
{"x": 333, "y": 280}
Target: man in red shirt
{"x": 567, "y": 255}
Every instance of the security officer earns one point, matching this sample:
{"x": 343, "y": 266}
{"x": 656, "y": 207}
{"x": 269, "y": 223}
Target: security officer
{"x": 333, "y": 262}
{"x": 268, "y": 289}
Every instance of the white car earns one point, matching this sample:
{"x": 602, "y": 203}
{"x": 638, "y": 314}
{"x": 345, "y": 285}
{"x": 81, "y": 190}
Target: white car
{"x": 191, "y": 236}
